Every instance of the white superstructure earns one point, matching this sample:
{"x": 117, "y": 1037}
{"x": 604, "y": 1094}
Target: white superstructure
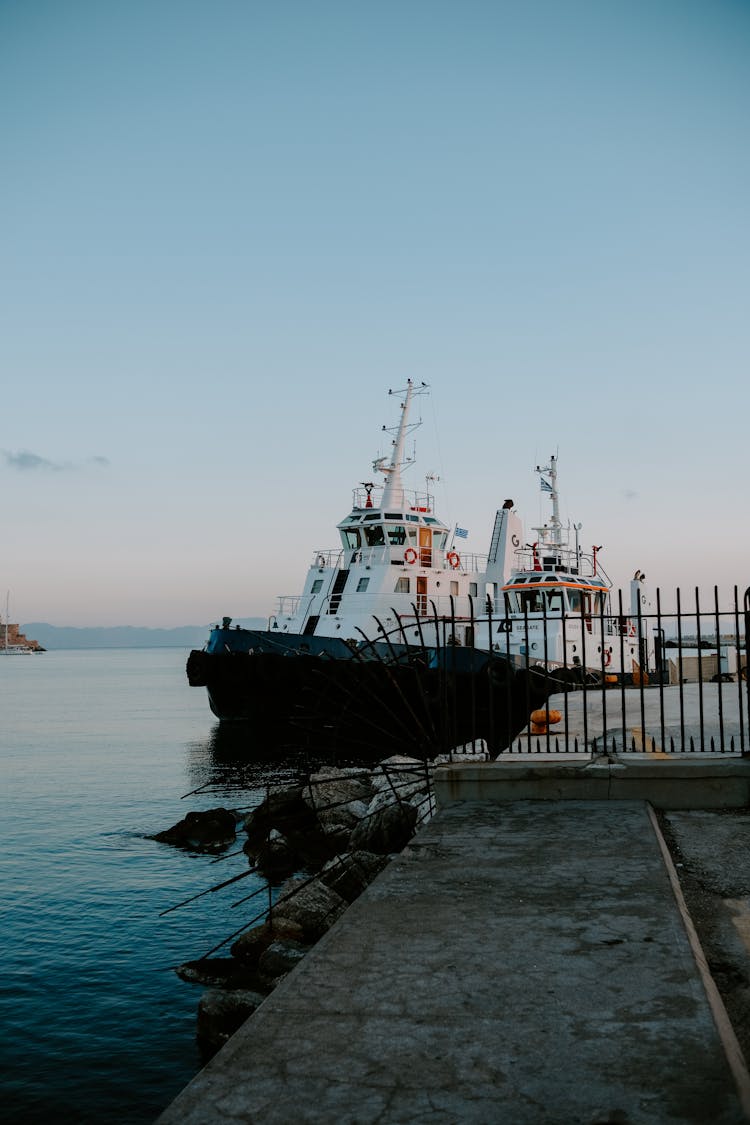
{"x": 398, "y": 561}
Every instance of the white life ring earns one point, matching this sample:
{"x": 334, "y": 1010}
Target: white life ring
{"x": 454, "y": 560}
{"x": 607, "y": 657}
{"x": 410, "y": 555}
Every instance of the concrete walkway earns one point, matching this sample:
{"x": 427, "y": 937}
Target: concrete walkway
{"x": 523, "y": 963}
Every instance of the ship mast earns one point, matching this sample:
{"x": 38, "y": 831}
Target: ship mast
{"x": 554, "y": 530}
{"x": 393, "y": 490}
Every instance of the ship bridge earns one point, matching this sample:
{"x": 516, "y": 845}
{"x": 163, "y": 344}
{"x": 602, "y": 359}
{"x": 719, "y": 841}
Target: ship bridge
{"x": 409, "y": 531}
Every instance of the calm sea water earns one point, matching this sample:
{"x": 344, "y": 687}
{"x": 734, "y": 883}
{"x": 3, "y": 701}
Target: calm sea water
{"x": 96, "y": 751}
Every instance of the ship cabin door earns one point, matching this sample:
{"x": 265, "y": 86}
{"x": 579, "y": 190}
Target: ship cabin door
{"x": 422, "y": 596}
{"x": 425, "y": 546}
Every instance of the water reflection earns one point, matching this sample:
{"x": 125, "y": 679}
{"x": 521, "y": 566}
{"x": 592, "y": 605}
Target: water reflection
{"x": 235, "y": 756}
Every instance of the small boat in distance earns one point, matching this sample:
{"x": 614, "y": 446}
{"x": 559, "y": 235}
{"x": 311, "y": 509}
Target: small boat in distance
{"x": 399, "y": 636}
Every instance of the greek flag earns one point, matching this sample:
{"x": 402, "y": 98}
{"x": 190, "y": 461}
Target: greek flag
{"x": 545, "y": 485}
{"x": 461, "y": 532}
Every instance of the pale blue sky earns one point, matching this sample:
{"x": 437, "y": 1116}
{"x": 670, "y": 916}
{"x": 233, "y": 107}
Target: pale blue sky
{"x": 227, "y": 228}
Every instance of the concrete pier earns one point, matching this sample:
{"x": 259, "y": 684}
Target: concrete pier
{"x": 693, "y": 718}
{"x": 525, "y": 962}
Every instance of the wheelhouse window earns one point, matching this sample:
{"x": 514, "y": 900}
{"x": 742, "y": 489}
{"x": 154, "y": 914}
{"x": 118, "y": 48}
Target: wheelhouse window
{"x": 554, "y": 601}
{"x": 351, "y": 538}
{"x": 524, "y": 601}
{"x": 396, "y": 536}
{"x": 374, "y": 536}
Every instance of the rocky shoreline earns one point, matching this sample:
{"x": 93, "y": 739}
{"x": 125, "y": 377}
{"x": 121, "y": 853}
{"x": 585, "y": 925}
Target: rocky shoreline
{"x": 324, "y": 840}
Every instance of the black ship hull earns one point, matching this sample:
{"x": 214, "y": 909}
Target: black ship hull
{"x": 374, "y": 702}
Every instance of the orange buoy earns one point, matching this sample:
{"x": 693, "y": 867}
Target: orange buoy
{"x": 545, "y": 716}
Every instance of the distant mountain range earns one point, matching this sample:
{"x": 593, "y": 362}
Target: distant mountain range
{"x": 126, "y": 636}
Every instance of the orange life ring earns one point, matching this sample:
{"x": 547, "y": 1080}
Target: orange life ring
{"x": 410, "y": 555}
{"x": 454, "y": 560}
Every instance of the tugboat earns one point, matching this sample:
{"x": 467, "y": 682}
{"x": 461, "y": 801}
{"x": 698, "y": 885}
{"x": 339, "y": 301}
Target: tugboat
{"x": 399, "y": 640}
{"x": 556, "y": 608}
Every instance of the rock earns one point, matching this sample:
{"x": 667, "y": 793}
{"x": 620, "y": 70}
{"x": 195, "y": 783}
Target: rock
{"x": 398, "y": 778}
{"x": 250, "y": 946}
{"x": 349, "y": 874}
{"x": 347, "y": 815}
{"x": 220, "y": 1014}
{"x": 400, "y": 762}
{"x": 283, "y": 809}
{"x": 285, "y": 814}
{"x": 276, "y": 857}
{"x": 202, "y": 831}
{"x": 278, "y": 959}
{"x": 331, "y": 788}
{"x": 217, "y": 972}
{"x": 313, "y": 906}
{"x": 387, "y": 830}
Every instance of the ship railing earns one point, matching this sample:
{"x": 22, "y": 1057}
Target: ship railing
{"x": 327, "y": 557}
{"x": 428, "y": 558}
{"x": 549, "y": 559}
{"x": 371, "y": 497}
{"x": 288, "y": 605}
{"x": 468, "y": 562}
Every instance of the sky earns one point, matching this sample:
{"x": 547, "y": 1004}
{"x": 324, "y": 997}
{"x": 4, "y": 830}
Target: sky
{"x": 228, "y": 228}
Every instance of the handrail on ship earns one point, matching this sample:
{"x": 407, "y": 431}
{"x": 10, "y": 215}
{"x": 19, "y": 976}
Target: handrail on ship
{"x": 531, "y": 559}
{"x": 372, "y": 496}
{"x": 378, "y": 556}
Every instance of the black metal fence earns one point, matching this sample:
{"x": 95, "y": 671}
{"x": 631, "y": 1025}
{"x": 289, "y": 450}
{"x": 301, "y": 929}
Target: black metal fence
{"x": 691, "y": 695}
{"x": 685, "y": 692}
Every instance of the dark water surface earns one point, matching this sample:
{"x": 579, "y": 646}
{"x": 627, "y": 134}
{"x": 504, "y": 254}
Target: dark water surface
{"x": 96, "y": 750}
